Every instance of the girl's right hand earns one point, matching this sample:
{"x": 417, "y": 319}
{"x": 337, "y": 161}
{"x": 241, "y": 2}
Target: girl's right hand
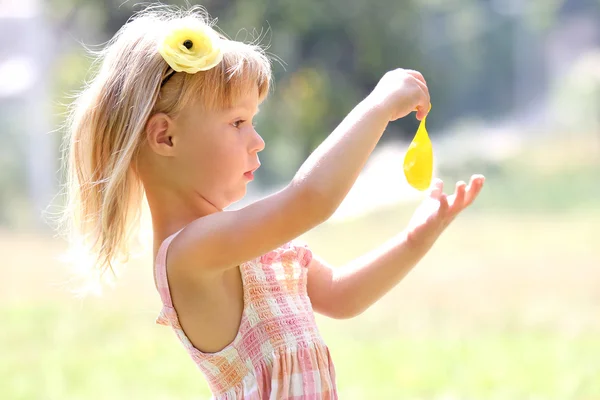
{"x": 400, "y": 92}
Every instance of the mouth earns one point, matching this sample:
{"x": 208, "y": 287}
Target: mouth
{"x": 250, "y": 174}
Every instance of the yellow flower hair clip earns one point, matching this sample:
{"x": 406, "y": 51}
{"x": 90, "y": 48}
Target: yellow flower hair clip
{"x": 189, "y": 45}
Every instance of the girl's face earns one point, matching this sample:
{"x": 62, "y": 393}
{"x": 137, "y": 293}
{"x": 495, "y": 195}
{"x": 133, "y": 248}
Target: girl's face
{"x": 217, "y": 151}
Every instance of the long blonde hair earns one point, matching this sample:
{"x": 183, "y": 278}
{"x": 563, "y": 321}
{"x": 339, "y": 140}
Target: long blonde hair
{"x": 106, "y": 125}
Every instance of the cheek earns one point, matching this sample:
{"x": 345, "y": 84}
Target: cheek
{"x": 200, "y": 146}
{"x": 219, "y": 160}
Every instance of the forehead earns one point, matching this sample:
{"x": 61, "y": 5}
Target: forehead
{"x": 246, "y": 100}
{"x": 244, "y": 103}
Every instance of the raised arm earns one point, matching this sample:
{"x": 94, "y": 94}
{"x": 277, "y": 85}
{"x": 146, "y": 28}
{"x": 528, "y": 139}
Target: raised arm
{"x": 226, "y": 239}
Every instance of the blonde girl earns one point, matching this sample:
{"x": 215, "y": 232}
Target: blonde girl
{"x": 168, "y": 119}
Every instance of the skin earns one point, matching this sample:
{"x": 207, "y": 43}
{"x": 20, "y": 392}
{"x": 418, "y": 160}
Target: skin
{"x": 193, "y": 166}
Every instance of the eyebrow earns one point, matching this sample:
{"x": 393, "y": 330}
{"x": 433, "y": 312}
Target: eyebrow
{"x": 238, "y": 110}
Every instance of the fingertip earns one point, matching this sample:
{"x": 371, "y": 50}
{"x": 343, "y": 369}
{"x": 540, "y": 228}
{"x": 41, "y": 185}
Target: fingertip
{"x": 436, "y": 188}
{"x": 425, "y": 111}
{"x": 443, "y": 201}
{"x": 461, "y": 189}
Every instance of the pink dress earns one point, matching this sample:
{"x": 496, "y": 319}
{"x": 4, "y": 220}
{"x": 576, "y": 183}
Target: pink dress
{"x": 278, "y": 352}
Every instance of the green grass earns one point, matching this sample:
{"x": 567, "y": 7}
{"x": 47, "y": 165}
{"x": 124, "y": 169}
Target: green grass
{"x": 508, "y": 365}
{"x": 57, "y": 353}
{"x": 505, "y": 306}
{"x": 61, "y": 352}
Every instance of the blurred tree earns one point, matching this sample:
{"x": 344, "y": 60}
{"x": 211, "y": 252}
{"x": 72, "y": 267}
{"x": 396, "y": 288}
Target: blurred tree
{"x": 333, "y": 52}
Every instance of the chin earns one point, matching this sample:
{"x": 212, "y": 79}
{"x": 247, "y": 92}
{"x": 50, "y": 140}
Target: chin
{"x": 240, "y": 195}
{"x": 233, "y": 198}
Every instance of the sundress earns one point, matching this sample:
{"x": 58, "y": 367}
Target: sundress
{"x": 278, "y": 352}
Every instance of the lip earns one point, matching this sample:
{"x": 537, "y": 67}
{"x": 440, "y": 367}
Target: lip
{"x": 250, "y": 174}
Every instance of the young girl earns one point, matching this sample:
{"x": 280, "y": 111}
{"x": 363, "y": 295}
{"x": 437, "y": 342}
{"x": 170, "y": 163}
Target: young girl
{"x": 168, "y": 117}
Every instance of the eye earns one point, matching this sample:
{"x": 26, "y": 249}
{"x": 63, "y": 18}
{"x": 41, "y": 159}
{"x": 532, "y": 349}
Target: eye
{"x": 237, "y": 123}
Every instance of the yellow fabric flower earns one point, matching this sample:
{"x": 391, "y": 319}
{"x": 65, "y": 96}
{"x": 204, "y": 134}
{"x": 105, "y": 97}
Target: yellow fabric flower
{"x": 190, "y": 46}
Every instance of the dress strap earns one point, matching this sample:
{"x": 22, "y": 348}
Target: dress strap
{"x": 160, "y": 271}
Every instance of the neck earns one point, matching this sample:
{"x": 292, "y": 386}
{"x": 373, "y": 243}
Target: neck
{"x": 172, "y": 211}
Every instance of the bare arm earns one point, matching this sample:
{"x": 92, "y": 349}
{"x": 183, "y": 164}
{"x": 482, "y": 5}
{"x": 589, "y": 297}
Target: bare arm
{"x": 226, "y": 239}
{"x": 348, "y": 291}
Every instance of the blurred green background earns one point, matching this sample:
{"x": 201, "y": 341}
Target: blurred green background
{"x": 506, "y": 306}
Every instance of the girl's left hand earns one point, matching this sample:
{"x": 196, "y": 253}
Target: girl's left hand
{"x": 437, "y": 211}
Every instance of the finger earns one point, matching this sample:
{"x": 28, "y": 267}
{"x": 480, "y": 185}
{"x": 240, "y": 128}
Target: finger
{"x": 478, "y": 187}
{"x": 443, "y": 204}
{"x": 424, "y": 101}
{"x": 477, "y": 178}
{"x": 422, "y": 110}
{"x": 417, "y": 75}
{"x": 459, "y": 197}
{"x": 474, "y": 188}
{"x": 423, "y": 105}
{"x": 436, "y": 189}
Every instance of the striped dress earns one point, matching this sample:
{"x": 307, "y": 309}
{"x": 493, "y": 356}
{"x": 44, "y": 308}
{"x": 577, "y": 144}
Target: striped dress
{"x": 278, "y": 352}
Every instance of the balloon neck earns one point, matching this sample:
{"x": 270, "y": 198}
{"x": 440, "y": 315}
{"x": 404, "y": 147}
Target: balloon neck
{"x": 422, "y": 130}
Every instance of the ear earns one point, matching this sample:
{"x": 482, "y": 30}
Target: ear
{"x": 159, "y": 134}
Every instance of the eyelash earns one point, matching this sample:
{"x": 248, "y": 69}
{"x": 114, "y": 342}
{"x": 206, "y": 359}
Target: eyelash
{"x": 239, "y": 122}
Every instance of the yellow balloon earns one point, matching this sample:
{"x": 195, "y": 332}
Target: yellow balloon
{"x": 418, "y": 161}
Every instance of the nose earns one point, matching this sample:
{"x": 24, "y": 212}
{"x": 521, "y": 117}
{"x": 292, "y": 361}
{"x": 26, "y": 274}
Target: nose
{"x": 257, "y": 142}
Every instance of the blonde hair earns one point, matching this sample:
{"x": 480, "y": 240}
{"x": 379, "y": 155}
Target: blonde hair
{"x": 106, "y": 126}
